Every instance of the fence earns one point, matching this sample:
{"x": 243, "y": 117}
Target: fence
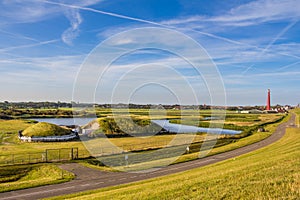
{"x": 113, "y": 149}
{"x": 50, "y": 155}
{"x": 65, "y": 154}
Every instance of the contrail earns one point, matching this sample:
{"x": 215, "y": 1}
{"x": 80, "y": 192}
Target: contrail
{"x": 163, "y": 25}
{"x": 29, "y": 45}
{"x": 279, "y": 35}
{"x": 19, "y": 36}
{"x": 272, "y": 42}
{"x": 30, "y": 39}
{"x": 104, "y": 13}
{"x": 287, "y": 66}
{"x": 140, "y": 20}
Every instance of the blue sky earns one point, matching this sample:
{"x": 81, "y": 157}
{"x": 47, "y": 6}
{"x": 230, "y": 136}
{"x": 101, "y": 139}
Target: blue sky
{"x": 255, "y": 45}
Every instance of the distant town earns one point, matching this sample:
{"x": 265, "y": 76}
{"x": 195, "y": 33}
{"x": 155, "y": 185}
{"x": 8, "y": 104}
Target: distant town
{"x": 56, "y": 105}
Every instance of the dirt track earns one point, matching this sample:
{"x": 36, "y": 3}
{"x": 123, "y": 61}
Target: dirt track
{"x": 88, "y": 179}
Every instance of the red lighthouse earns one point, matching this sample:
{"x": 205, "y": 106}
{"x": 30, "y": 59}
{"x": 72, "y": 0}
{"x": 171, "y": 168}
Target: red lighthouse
{"x": 269, "y": 100}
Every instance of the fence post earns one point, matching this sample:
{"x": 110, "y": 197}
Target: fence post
{"x": 72, "y": 152}
{"x": 58, "y": 154}
{"x": 77, "y": 152}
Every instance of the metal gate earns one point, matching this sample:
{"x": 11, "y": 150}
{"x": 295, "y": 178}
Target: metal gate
{"x": 63, "y": 154}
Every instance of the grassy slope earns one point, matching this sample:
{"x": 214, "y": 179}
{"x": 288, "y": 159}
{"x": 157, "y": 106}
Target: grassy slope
{"x": 27, "y": 176}
{"x": 269, "y": 173}
{"x": 10, "y": 128}
{"x": 43, "y": 129}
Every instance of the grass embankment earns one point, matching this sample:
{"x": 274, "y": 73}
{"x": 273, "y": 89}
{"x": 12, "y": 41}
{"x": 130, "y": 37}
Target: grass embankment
{"x": 297, "y": 123}
{"x": 27, "y": 176}
{"x": 43, "y": 129}
{"x": 268, "y": 173}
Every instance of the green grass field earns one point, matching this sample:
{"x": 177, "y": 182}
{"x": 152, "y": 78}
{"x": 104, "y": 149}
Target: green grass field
{"x": 141, "y": 161}
{"x": 31, "y": 176}
{"x": 27, "y": 176}
{"x": 9, "y": 143}
{"x": 268, "y": 173}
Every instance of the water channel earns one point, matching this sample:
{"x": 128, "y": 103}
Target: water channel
{"x": 171, "y": 127}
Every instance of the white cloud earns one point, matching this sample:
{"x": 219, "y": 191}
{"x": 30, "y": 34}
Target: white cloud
{"x": 25, "y": 11}
{"x": 16, "y": 11}
{"x": 71, "y": 33}
{"x": 39, "y": 78}
{"x": 253, "y": 13}
{"x": 197, "y": 19}
{"x": 261, "y": 11}
{"x": 59, "y": 68}
{"x": 241, "y": 51}
{"x": 29, "y": 11}
{"x": 123, "y": 41}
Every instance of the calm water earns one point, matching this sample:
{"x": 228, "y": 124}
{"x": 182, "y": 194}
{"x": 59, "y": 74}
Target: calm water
{"x": 65, "y": 121}
{"x": 178, "y": 128}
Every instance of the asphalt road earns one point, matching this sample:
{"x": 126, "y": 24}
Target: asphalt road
{"x": 87, "y": 179}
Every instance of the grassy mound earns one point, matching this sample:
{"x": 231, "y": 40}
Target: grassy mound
{"x": 125, "y": 126}
{"x": 43, "y": 129}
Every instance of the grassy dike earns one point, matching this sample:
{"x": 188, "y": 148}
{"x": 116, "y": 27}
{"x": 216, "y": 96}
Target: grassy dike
{"x": 26, "y": 176}
{"x": 268, "y": 173}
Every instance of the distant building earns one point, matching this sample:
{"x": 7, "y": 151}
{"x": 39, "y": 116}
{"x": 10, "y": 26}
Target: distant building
{"x": 270, "y": 111}
{"x": 267, "y": 109}
{"x": 254, "y": 111}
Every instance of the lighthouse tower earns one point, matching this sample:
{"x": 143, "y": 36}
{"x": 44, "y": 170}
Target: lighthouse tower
{"x": 269, "y": 100}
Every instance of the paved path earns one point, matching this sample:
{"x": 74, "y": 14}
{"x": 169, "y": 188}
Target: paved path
{"x": 88, "y": 179}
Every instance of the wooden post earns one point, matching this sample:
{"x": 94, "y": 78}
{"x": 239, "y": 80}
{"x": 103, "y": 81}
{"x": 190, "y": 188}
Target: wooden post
{"x": 72, "y": 152}
{"x": 59, "y": 154}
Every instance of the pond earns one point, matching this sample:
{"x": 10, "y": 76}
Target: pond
{"x": 178, "y": 128}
